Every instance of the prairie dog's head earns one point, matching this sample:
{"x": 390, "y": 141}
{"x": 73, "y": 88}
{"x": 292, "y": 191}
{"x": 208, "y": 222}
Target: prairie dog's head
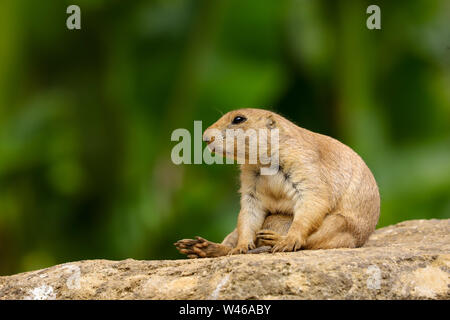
{"x": 243, "y": 134}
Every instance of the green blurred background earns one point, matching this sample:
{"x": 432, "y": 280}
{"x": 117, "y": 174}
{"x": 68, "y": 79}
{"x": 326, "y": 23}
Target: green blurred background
{"x": 86, "y": 116}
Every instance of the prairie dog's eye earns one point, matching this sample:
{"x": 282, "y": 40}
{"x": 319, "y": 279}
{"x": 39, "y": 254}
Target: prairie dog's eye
{"x": 238, "y": 119}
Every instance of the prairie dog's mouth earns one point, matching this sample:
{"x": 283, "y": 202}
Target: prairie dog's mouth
{"x": 210, "y": 140}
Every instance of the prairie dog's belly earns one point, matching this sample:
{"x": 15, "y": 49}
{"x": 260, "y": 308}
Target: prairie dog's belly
{"x": 272, "y": 192}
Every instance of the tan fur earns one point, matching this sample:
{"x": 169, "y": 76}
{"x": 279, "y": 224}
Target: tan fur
{"x": 324, "y": 196}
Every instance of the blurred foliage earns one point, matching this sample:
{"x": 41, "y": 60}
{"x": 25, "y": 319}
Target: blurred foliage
{"x": 86, "y": 116}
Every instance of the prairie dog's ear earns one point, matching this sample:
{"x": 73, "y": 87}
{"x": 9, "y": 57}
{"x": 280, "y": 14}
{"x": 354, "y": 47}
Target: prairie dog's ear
{"x": 270, "y": 122}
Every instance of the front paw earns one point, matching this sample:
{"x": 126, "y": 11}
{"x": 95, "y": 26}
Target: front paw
{"x": 288, "y": 244}
{"x": 243, "y": 248}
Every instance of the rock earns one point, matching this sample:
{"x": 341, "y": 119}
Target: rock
{"x": 410, "y": 260}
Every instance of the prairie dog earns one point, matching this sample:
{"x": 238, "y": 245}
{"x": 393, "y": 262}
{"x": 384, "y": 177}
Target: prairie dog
{"x": 323, "y": 195}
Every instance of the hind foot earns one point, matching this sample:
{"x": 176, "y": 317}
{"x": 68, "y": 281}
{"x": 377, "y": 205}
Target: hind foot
{"x": 201, "y": 248}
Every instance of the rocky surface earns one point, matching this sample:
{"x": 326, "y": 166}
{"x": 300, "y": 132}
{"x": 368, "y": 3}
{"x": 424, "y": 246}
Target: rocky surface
{"x": 410, "y": 260}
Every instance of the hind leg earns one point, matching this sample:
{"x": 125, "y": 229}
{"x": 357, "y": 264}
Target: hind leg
{"x": 340, "y": 240}
{"x": 231, "y": 239}
{"x": 333, "y": 233}
{"x": 201, "y": 248}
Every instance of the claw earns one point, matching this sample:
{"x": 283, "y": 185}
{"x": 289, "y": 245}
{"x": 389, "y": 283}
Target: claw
{"x": 243, "y": 248}
{"x": 288, "y": 244}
